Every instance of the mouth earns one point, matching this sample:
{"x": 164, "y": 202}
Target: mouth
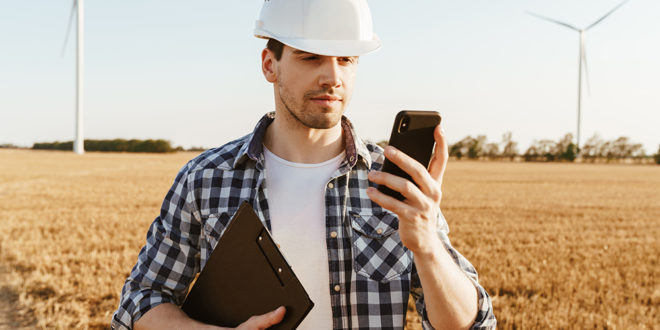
{"x": 326, "y": 100}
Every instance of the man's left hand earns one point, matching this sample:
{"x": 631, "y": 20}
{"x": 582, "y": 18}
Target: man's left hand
{"x": 418, "y": 213}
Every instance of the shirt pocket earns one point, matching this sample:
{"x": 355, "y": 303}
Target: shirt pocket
{"x": 214, "y": 227}
{"x": 377, "y": 249}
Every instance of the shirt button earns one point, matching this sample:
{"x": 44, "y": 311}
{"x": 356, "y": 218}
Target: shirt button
{"x": 337, "y": 288}
{"x": 333, "y": 234}
{"x": 379, "y": 231}
{"x": 331, "y": 185}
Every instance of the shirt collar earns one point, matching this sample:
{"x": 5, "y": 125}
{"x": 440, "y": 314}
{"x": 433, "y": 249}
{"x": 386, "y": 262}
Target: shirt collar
{"x": 253, "y": 149}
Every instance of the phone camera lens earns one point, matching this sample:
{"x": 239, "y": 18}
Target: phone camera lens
{"x": 403, "y": 125}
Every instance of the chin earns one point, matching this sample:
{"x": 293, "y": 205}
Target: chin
{"x": 321, "y": 124}
{"x": 323, "y": 121}
{"x": 315, "y": 117}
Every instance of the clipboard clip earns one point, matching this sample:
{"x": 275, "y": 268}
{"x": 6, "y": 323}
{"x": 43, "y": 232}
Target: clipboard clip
{"x": 270, "y": 252}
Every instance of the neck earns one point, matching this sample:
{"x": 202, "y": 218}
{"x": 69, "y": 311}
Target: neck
{"x": 290, "y": 140}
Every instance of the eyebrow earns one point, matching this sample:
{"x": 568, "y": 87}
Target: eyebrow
{"x": 298, "y": 52}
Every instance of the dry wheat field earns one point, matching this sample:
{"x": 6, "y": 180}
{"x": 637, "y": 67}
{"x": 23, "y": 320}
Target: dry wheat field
{"x": 556, "y": 245}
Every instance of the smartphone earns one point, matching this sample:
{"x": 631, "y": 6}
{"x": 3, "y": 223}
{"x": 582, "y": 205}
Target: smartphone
{"x": 412, "y": 133}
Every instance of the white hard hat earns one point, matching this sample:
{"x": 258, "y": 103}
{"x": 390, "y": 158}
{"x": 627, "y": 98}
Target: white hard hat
{"x": 323, "y": 27}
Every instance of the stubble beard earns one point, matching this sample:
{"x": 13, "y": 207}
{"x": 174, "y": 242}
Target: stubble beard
{"x": 323, "y": 120}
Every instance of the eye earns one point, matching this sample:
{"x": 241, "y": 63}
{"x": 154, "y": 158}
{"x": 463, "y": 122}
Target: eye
{"x": 348, "y": 60}
{"x": 310, "y": 58}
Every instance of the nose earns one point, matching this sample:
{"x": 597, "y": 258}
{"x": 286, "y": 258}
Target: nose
{"x": 330, "y": 74}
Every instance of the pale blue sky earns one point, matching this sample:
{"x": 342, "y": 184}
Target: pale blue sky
{"x": 188, "y": 71}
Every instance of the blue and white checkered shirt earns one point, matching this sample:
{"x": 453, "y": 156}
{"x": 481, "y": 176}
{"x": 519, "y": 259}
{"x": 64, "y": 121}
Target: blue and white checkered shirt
{"x": 372, "y": 270}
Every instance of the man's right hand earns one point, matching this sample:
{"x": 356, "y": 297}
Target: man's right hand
{"x": 264, "y": 321}
{"x": 170, "y": 316}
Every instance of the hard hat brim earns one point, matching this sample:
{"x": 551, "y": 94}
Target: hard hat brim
{"x": 326, "y": 47}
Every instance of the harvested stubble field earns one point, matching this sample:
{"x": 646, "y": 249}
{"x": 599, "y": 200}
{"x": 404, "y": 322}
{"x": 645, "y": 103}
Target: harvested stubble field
{"x": 556, "y": 245}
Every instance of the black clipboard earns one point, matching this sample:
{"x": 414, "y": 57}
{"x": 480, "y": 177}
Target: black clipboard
{"x": 246, "y": 275}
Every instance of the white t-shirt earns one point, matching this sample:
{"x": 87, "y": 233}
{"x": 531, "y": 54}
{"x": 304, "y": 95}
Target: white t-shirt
{"x": 296, "y": 204}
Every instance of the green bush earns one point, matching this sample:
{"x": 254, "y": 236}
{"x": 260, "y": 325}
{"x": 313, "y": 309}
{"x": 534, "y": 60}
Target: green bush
{"x": 54, "y": 145}
{"x": 569, "y": 153}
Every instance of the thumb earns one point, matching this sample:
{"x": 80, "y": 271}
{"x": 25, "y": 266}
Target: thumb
{"x": 265, "y": 320}
{"x": 440, "y": 155}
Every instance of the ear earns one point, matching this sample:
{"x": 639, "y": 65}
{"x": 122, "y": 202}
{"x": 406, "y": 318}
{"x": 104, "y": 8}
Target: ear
{"x": 268, "y": 65}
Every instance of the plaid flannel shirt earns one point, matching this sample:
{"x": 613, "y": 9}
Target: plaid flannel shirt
{"x": 372, "y": 270}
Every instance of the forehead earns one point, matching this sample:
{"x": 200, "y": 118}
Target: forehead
{"x": 295, "y": 51}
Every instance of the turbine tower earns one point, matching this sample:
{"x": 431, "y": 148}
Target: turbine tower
{"x": 78, "y": 143}
{"x": 581, "y": 60}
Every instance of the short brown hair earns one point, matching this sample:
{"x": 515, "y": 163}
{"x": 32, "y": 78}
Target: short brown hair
{"x": 276, "y": 47}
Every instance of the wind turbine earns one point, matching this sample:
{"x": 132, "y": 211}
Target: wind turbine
{"x": 78, "y": 144}
{"x": 582, "y": 59}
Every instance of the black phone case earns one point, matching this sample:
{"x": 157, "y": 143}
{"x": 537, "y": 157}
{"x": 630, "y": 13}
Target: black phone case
{"x": 415, "y": 140}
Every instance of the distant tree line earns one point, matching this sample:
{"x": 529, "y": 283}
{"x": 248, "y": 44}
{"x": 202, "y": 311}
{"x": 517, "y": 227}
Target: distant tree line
{"x": 115, "y": 145}
{"x": 595, "y": 149}
{"x": 10, "y": 146}
{"x": 479, "y": 148}
{"x": 548, "y": 150}
{"x": 621, "y": 148}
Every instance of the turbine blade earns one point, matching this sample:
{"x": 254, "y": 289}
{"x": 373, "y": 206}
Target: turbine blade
{"x": 553, "y": 21}
{"x": 586, "y": 68}
{"x": 74, "y": 4}
{"x": 605, "y": 16}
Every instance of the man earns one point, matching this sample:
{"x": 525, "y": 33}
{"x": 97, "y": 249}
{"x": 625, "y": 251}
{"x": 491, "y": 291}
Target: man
{"x": 311, "y": 179}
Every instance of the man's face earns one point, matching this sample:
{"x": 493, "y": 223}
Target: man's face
{"x": 313, "y": 90}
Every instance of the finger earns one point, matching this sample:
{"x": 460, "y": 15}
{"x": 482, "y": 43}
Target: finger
{"x": 417, "y": 171}
{"x": 441, "y": 155}
{"x": 265, "y": 320}
{"x": 400, "y": 208}
{"x": 406, "y": 188}
{"x": 273, "y": 317}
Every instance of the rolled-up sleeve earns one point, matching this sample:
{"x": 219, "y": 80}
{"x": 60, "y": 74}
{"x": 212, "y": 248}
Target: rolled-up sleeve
{"x": 485, "y": 316}
{"x": 167, "y": 263}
